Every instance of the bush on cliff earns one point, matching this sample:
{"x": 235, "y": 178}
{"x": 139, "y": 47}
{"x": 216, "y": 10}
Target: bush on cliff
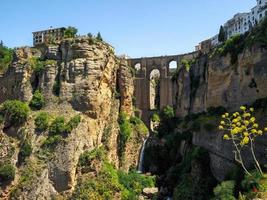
{"x": 37, "y": 101}
{"x": 224, "y": 191}
{"x": 70, "y": 32}
{"x": 125, "y": 132}
{"x": 15, "y": 112}
{"x": 42, "y": 121}
{"x": 139, "y": 126}
{"x": 57, "y": 126}
{"x": 86, "y": 157}
{"x": 110, "y": 183}
{"x": 238, "y": 43}
{"x": 37, "y": 65}
{"x": 6, "y": 57}
{"x": 25, "y": 151}
{"x": 7, "y": 173}
{"x": 72, "y": 123}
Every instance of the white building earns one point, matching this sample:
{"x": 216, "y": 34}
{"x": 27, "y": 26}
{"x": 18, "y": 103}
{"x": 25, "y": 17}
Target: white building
{"x": 242, "y": 22}
{"x": 239, "y": 24}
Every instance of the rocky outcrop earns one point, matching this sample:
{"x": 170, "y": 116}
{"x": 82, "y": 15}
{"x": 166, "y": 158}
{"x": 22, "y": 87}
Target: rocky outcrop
{"x": 81, "y": 78}
{"x": 126, "y": 87}
{"x": 214, "y": 81}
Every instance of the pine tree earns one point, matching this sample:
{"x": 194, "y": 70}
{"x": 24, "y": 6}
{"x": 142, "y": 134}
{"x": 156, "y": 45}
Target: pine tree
{"x": 222, "y": 34}
{"x": 99, "y": 37}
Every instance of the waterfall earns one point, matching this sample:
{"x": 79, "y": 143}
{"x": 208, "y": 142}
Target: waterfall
{"x": 141, "y": 157}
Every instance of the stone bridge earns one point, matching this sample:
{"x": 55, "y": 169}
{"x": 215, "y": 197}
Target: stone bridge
{"x": 142, "y": 81}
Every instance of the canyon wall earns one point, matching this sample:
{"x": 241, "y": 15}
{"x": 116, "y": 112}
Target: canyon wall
{"x": 77, "y": 77}
{"x": 213, "y": 81}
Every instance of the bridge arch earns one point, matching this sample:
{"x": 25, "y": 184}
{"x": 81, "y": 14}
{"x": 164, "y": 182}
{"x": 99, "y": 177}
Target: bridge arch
{"x": 167, "y": 90}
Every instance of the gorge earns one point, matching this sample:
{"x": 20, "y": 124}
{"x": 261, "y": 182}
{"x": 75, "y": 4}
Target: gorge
{"x": 76, "y": 121}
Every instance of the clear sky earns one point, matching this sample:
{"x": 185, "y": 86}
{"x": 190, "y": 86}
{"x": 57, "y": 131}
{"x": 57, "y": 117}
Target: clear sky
{"x": 138, "y": 28}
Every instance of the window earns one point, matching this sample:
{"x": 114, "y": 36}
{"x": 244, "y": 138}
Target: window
{"x": 260, "y": 16}
{"x": 260, "y": 2}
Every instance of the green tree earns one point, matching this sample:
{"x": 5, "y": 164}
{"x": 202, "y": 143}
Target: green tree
{"x": 222, "y": 34}
{"x": 7, "y": 172}
{"x": 6, "y": 57}
{"x": 224, "y": 191}
{"x": 99, "y": 37}
{"x": 15, "y": 112}
{"x": 58, "y": 126}
{"x": 42, "y": 121}
{"x": 167, "y": 113}
{"x": 70, "y": 32}
{"x": 37, "y": 101}
{"x": 90, "y": 35}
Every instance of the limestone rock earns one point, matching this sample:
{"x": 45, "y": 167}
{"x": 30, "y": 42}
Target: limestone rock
{"x": 150, "y": 192}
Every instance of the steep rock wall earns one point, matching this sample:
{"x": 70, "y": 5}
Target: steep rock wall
{"x": 83, "y": 81}
{"x": 213, "y": 82}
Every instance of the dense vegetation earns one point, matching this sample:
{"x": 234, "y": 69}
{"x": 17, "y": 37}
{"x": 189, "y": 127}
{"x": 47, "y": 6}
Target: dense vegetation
{"x": 237, "y": 43}
{"x": 37, "y": 101}
{"x": 14, "y": 112}
{"x": 6, "y": 57}
{"x": 58, "y": 129}
{"x": 7, "y": 173}
{"x": 108, "y": 183}
{"x": 42, "y": 121}
{"x": 70, "y": 32}
{"x": 174, "y": 169}
{"x": 127, "y": 126}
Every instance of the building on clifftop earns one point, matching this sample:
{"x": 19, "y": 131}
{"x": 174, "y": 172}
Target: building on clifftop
{"x": 48, "y": 36}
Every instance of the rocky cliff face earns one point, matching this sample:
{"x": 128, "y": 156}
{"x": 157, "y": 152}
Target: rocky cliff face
{"x": 77, "y": 77}
{"x": 214, "y": 81}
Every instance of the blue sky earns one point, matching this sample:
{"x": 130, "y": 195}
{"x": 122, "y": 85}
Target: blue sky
{"x": 138, "y": 28}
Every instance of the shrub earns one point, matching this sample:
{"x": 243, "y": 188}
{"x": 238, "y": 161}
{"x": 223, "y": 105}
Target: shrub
{"x": 73, "y": 123}
{"x": 25, "y": 150}
{"x": 57, "y": 127}
{"x": 42, "y": 121}
{"x": 7, "y": 172}
{"x": 52, "y": 141}
{"x": 6, "y": 57}
{"x": 86, "y": 157}
{"x": 252, "y": 183}
{"x": 224, "y": 191}
{"x": 125, "y": 132}
{"x": 139, "y": 126}
{"x": 15, "y": 111}
{"x": 70, "y": 32}
{"x": 155, "y": 117}
{"x": 135, "y": 182}
{"x": 99, "y": 37}
{"x": 110, "y": 182}
{"x": 167, "y": 113}
{"x": 36, "y": 64}
{"x": 37, "y": 101}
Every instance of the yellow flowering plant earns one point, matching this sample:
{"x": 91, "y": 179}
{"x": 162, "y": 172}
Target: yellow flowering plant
{"x": 241, "y": 128}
